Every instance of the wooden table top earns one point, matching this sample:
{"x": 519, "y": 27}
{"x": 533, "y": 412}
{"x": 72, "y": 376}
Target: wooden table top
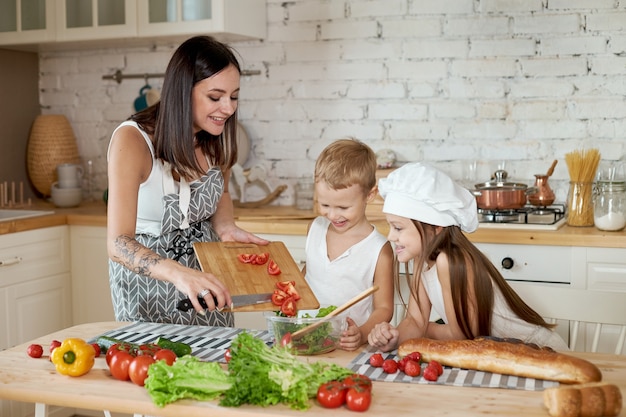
{"x": 35, "y": 380}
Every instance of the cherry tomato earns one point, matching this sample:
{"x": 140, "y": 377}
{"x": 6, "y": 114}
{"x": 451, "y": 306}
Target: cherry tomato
{"x": 376, "y": 360}
{"x": 358, "y": 380}
{"x": 390, "y": 366}
{"x": 246, "y": 258}
{"x": 138, "y": 369}
{"x": 97, "y": 348}
{"x": 331, "y": 394}
{"x": 412, "y": 368}
{"x": 286, "y": 340}
{"x": 358, "y": 399}
{"x": 120, "y": 362}
{"x": 273, "y": 268}
{"x": 54, "y": 344}
{"x": 227, "y": 355}
{"x": 288, "y": 307}
{"x": 261, "y": 258}
{"x": 35, "y": 351}
{"x": 166, "y": 355}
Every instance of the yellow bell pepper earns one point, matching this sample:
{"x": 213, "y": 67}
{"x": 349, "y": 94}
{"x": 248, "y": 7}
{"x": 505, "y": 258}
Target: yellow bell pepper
{"x": 74, "y": 357}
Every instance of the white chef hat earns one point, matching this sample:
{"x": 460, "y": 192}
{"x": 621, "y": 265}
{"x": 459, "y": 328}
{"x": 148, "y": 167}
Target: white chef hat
{"x": 421, "y": 192}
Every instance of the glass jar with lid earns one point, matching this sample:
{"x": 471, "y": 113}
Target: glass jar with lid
{"x": 609, "y": 211}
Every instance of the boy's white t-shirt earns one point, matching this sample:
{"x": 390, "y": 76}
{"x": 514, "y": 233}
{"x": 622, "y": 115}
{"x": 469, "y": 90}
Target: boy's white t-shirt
{"x": 335, "y": 282}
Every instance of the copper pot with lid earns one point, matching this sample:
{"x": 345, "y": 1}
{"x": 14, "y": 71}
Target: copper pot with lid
{"x": 500, "y": 194}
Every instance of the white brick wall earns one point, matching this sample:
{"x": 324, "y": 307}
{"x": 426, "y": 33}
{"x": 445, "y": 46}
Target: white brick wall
{"x": 521, "y": 81}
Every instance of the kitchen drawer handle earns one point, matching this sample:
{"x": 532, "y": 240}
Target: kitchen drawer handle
{"x": 13, "y": 261}
{"x": 507, "y": 263}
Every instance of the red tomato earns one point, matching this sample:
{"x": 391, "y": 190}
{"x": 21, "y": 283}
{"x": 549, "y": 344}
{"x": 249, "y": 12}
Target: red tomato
{"x": 415, "y": 356}
{"x": 358, "y": 399}
{"x": 113, "y": 349}
{"x": 148, "y": 349}
{"x": 273, "y": 268}
{"x": 288, "y": 307}
{"x": 35, "y": 351}
{"x": 376, "y": 360}
{"x": 166, "y": 355}
{"x": 138, "y": 369}
{"x": 331, "y": 394}
{"x": 120, "y": 362}
{"x": 412, "y": 368}
{"x": 227, "y": 355}
{"x": 289, "y": 288}
{"x": 390, "y": 366}
{"x": 96, "y": 347}
{"x": 430, "y": 373}
{"x": 54, "y": 344}
{"x": 358, "y": 380}
{"x": 286, "y": 340}
{"x": 261, "y": 258}
{"x": 246, "y": 258}
{"x": 279, "y": 297}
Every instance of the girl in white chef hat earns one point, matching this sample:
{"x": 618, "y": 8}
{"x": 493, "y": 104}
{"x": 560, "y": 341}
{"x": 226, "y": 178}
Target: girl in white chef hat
{"x": 427, "y": 214}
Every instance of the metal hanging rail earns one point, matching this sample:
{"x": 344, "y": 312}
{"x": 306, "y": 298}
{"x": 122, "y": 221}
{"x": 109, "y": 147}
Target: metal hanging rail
{"x": 119, "y": 76}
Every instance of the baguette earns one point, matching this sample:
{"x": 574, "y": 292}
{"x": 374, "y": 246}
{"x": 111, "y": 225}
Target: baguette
{"x": 584, "y": 400}
{"x": 504, "y": 356}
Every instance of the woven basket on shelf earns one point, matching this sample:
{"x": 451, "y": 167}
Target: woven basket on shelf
{"x": 52, "y": 142}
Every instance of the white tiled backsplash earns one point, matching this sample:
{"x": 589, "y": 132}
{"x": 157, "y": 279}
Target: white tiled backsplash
{"x": 449, "y": 82}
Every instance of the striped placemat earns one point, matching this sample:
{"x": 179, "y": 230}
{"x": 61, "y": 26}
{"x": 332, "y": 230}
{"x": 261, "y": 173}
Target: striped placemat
{"x": 207, "y": 343}
{"x": 451, "y": 376}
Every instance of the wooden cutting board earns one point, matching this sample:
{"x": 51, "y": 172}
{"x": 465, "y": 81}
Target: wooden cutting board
{"x": 220, "y": 258}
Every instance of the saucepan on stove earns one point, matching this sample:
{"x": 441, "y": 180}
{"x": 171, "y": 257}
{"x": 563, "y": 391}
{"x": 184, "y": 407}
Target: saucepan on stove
{"x": 499, "y": 194}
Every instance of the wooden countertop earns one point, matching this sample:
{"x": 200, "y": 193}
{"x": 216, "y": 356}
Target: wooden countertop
{"x": 287, "y": 220}
{"x": 35, "y": 381}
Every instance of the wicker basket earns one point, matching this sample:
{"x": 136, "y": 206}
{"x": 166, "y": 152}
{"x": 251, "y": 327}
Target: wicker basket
{"x": 52, "y": 142}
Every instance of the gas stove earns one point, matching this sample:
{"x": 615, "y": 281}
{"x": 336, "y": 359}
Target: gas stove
{"x": 528, "y": 217}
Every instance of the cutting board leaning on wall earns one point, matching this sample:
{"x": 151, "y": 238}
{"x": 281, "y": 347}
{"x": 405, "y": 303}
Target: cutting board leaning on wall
{"x": 220, "y": 258}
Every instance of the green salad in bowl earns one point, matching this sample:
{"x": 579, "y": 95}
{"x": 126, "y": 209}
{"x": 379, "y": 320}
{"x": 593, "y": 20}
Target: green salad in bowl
{"x": 323, "y": 339}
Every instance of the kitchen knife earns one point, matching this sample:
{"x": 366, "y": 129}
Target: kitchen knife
{"x": 238, "y": 301}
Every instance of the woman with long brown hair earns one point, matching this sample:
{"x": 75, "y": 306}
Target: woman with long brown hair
{"x": 168, "y": 171}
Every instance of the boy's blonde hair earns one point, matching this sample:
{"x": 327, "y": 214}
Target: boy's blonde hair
{"x": 347, "y": 162}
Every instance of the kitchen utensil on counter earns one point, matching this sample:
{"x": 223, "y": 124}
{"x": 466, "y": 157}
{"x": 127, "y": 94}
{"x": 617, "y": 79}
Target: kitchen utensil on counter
{"x": 238, "y": 301}
{"x": 500, "y": 194}
{"x": 69, "y": 175}
{"x": 335, "y": 312}
{"x": 609, "y": 210}
{"x": 544, "y": 195}
{"x": 66, "y": 197}
{"x": 221, "y": 259}
{"x": 582, "y": 166}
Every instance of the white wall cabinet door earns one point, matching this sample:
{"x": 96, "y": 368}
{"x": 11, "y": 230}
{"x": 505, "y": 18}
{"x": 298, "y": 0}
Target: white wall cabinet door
{"x": 236, "y": 18}
{"x": 91, "y": 293}
{"x": 79, "y": 20}
{"x": 27, "y": 21}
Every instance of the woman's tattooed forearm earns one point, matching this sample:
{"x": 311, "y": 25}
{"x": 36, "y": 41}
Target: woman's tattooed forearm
{"x": 130, "y": 255}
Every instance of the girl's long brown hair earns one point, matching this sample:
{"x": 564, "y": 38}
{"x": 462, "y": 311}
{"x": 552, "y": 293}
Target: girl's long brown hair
{"x": 462, "y": 253}
{"x": 170, "y": 121}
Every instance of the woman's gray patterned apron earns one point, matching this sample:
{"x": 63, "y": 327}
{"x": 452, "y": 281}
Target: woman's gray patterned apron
{"x": 138, "y": 298}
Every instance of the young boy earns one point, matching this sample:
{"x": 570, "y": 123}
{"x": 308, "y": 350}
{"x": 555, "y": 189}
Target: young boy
{"x": 345, "y": 254}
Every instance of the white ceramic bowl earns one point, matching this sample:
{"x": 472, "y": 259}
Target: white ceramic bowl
{"x": 323, "y": 339}
{"x": 66, "y": 197}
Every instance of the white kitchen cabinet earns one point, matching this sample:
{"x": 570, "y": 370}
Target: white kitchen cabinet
{"x": 80, "y": 20}
{"x": 27, "y": 21}
{"x": 35, "y": 294}
{"x": 91, "y": 293}
{"x": 239, "y": 19}
{"x": 59, "y": 23}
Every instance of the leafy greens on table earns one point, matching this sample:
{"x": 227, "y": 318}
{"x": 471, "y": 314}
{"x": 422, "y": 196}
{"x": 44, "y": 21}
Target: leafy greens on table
{"x": 257, "y": 374}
